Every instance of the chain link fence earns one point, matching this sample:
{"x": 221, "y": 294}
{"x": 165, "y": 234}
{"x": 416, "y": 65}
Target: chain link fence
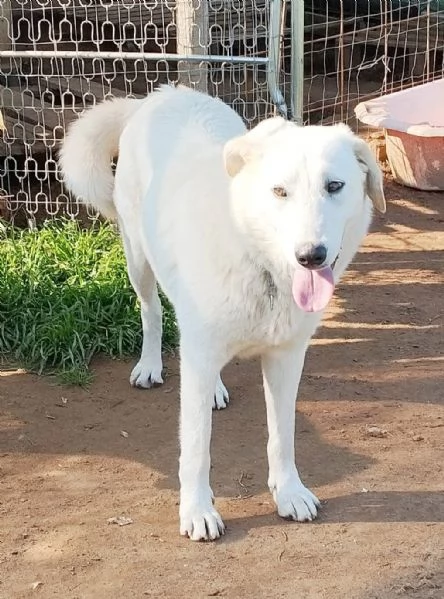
{"x": 58, "y": 57}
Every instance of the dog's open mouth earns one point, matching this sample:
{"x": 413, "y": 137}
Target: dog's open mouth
{"x": 313, "y": 289}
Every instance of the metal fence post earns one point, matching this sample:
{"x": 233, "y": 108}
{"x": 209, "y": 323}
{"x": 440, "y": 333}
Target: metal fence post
{"x": 297, "y": 61}
{"x": 274, "y": 61}
{"x": 5, "y": 25}
{"x": 192, "y": 38}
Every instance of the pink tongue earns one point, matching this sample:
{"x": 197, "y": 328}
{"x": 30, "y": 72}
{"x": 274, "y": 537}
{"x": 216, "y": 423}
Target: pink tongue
{"x": 312, "y": 289}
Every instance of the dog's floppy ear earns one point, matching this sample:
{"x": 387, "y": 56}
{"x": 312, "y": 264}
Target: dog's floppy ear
{"x": 369, "y": 165}
{"x": 240, "y": 150}
{"x": 237, "y": 152}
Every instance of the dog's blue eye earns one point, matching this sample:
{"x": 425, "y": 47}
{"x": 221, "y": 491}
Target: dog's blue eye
{"x": 334, "y": 186}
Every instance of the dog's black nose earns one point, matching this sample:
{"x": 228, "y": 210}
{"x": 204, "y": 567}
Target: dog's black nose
{"x": 312, "y": 256}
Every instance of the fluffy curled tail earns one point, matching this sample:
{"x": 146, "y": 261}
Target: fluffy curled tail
{"x": 89, "y": 147}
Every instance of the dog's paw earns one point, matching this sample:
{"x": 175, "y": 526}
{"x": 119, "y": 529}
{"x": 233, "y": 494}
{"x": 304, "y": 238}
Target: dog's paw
{"x": 200, "y": 524}
{"x": 221, "y": 396}
{"x": 146, "y": 374}
{"x": 295, "y": 502}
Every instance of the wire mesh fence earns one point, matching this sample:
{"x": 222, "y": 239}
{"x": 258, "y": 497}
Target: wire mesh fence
{"x": 358, "y": 49}
{"x": 60, "y": 56}
{"x": 57, "y": 57}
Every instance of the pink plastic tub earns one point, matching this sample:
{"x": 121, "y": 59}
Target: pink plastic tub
{"x": 413, "y": 121}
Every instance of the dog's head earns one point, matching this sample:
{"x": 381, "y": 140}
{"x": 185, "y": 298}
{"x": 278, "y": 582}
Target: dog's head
{"x": 295, "y": 190}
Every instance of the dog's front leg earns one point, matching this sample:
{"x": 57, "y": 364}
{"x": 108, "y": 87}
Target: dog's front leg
{"x": 282, "y": 370}
{"x": 198, "y": 518}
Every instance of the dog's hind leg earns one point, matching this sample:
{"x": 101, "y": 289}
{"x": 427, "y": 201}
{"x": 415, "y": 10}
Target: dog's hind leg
{"x": 148, "y": 370}
{"x": 221, "y": 396}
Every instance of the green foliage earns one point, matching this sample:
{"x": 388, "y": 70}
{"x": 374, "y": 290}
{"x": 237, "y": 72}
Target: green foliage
{"x": 65, "y": 296}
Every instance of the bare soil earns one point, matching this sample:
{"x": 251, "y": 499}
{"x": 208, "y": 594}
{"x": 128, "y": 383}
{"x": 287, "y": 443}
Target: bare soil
{"x": 72, "y": 458}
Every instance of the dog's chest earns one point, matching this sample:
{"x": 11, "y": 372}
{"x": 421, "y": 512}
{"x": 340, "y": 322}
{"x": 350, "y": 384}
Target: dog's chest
{"x": 268, "y": 320}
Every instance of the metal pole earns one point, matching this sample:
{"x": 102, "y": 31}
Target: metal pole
{"x": 251, "y": 60}
{"x": 427, "y": 57}
{"x": 386, "y": 47}
{"x": 274, "y": 61}
{"x": 341, "y": 65}
{"x": 192, "y": 38}
{"x": 297, "y": 60}
{"x": 5, "y": 25}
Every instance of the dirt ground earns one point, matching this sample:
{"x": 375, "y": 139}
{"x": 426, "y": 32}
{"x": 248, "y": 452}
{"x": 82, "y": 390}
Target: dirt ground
{"x": 72, "y": 458}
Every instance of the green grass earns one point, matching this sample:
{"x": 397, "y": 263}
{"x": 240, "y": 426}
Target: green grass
{"x": 65, "y": 296}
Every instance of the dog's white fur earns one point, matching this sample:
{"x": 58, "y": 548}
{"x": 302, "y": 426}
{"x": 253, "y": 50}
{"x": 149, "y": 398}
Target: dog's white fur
{"x": 193, "y": 198}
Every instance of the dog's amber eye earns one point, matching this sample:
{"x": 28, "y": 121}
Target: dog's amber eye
{"x": 334, "y": 186}
{"x": 279, "y": 192}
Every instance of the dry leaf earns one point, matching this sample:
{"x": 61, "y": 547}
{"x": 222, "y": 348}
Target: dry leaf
{"x": 120, "y": 520}
{"x": 35, "y": 585}
{"x": 375, "y": 431}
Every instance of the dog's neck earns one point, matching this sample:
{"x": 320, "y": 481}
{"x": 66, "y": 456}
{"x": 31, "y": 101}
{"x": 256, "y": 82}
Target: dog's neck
{"x": 270, "y": 287}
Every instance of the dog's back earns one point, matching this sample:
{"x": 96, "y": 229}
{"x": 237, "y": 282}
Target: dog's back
{"x": 96, "y": 138}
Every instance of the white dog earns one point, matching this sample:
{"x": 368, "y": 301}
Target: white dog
{"x": 247, "y": 234}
